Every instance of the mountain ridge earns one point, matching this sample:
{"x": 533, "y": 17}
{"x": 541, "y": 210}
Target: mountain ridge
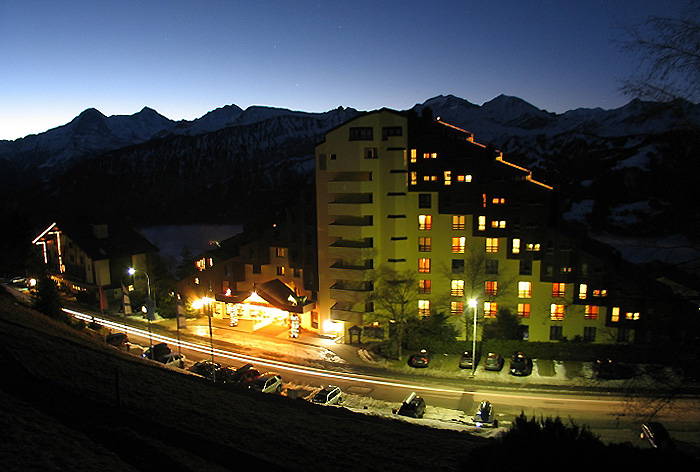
{"x": 624, "y": 169}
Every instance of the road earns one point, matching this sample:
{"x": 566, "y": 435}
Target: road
{"x": 613, "y": 418}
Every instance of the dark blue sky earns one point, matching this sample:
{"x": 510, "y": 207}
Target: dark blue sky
{"x": 185, "y": 58}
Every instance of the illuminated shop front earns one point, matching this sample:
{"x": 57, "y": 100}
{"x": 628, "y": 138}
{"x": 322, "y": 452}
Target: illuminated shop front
{"x": 267, "y": 303}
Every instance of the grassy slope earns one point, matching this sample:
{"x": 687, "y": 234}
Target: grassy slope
{"x": 58, "y": 411}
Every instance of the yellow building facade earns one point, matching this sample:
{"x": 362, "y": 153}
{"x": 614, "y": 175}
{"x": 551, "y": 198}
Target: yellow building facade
{"x": 413, "y": 193}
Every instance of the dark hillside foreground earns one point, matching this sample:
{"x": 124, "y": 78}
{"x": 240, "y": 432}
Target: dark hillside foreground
{"x": 68, "y": 401}
{"x": 61, "y": 411}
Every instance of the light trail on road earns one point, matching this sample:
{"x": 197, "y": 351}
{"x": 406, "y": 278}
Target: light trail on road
{"x": 348, "y": 377}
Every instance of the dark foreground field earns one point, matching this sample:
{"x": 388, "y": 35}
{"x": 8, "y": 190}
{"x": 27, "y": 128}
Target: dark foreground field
{"x": 70, "y": 402}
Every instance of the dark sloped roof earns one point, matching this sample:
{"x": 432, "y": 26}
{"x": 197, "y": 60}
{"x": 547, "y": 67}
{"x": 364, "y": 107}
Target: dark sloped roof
{"x": 120, "y": 240}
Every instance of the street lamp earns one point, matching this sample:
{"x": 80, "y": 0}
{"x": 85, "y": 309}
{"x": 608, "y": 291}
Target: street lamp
{"x": 151, "y": 308}
{"x": 472, "y": 303}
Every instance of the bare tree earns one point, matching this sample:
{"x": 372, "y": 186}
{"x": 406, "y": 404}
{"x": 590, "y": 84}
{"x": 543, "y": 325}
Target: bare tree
{"x": 668, "y": 50}
{"x": 395, "y": 298}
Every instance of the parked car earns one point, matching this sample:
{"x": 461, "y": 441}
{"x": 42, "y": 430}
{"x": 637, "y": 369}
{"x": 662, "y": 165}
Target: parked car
{"x": 267, "y": 383}
{"x": 157, "y": 352}
{"x": 484, "y": 415}
{"x": 413, "y": 406}
{"x": 609, "y": 369}
{"x": 206, "y": 368}
{"x": 466, "y": 360}
{"x": 328, "y": 395}
{"x": 119, "y": 340}
{"x": 174, "y": 359}
{"x": 420, "y": 360}
{"x": 244, "y": 376}
{"x": 520, "y": 364}
{"x": 657, "y": 435}
{"x": 493, "y": 362}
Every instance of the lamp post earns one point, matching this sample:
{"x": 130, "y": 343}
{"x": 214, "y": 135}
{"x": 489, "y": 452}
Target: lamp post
{"x": 472, "y": 303}
{"x": 150, "y": 305}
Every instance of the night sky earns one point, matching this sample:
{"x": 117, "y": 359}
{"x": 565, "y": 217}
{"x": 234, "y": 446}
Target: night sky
{"x": 185, "y": 58}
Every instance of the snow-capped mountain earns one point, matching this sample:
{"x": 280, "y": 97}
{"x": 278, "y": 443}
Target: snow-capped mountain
{"x": 630, "y": 167}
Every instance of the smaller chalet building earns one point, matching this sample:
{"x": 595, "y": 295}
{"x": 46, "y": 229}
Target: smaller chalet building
{"x": 253, "y": 276}
{"x": 82, "y": 256}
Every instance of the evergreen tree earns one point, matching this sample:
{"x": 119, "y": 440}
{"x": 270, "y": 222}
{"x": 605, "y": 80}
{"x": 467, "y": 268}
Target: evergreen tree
{"x": 48, "y": 301}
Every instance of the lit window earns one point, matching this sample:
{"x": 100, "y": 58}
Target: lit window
{"x": 430, "y": 155}
{"x": 279, "y": 252}
{"x": 482, "y": 223}
{"x": 532, "y": 247}
{"x": 459, "y": 222}
{"x": 424, "y": 307}
{"x": 498, "y": 201}
{"x": 615, "y": 315}
{"x": 516, "y": 246}
{"x": 425, "y": 222}
{"x": 424, "y": 286}
{"x": 458, "y": 245}
{"x": 557, "y": 312}
{"x": 433, "y": 178}
{"x": 490, "y": 309}
{"x": 582, "y": 291}
{"x": 201, "y": 264}
{"x": 523, "y": 310}
{"x": 524, "y": 289}
{"x": 457, "y": 288}
{"x": 498, "y": 224}
{"x": 491, "y": 287}
{"x": 426, "y": 178}
{"x": 456, "y": 308}
{"x": 414, "y": 178}
{"x": 448, "y": 177}
{"x": 600, "y": 293}
{"x": 558, "y": 289}
{"x": 632, "y": 315}
{"x": 491, "y": 244}
{"x": 414, "y": 155}
{"x": 424, "y": 265}
{"x": 196, "y": 281}
{"x": 280, "y": 270}
{"x": 591, "y": 312}
{"x": 210, "y": 261}
{"x": 424, "y": 244}
{"x": 464, "y": 178}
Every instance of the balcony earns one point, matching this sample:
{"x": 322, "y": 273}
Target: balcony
{"x": 350, "y": 208}
{"x": 358, "y": 186}
{"x": 351, "y": 291}
{"x": 364, "y": 243}
{"x": 351, "y": 232}
{"x": 350, "y": 271}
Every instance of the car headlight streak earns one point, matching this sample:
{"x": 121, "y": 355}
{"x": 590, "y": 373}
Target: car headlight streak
{"x": 305, "y": 370}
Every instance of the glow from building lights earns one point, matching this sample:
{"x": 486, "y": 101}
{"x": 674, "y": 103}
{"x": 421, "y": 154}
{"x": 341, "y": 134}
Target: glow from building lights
{"x": 310, "y": 370}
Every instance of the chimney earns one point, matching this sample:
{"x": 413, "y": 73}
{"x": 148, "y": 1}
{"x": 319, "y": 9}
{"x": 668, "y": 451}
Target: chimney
{"x": 100, "y": 231}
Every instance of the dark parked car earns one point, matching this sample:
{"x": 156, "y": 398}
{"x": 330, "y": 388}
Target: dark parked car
{"x": 520, "y": 364}
{"x": 413, "y": 406}
{"x": 157, "y": 352}
{"x": 493, "y": 362}
{"x": 657, "y": 435}
{"x": 484, "y": 415}
{"x": 206, "y": 369}
{"x": 420, "y": 360}
{"x": 466, "y": 360}
{"x": 328, "y": 395}
{"x": 120, "y": 340}
{"x": 610, "y": 369}
{"x": 244, "y": 376}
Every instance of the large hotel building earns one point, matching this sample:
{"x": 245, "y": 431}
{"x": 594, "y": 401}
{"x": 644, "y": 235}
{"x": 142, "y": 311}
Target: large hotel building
{"x": 414, "y": 193}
